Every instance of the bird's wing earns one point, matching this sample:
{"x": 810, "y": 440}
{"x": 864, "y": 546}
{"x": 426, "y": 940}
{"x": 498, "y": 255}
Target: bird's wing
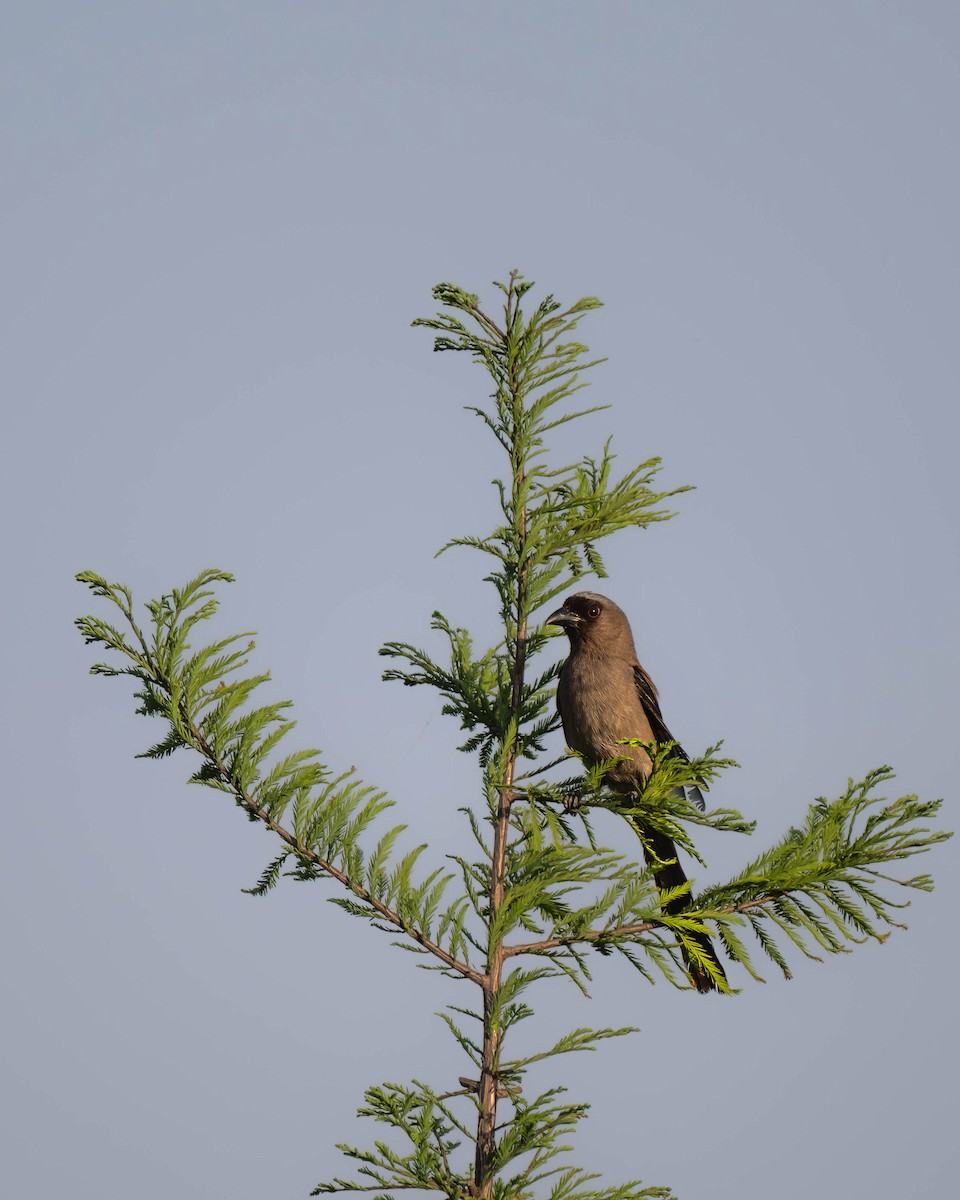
{"x": 648, "y": 698}
{"x": 651, "y": 706}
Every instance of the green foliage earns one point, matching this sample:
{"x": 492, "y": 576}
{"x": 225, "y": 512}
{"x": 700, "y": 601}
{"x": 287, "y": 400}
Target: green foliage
{"x": 542, "y": 894}
{"x": 321, "y": 817}
{"x": 820, "y": 885}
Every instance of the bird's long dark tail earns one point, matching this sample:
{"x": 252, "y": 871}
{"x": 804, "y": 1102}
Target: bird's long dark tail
{"x": 661, "y": 854}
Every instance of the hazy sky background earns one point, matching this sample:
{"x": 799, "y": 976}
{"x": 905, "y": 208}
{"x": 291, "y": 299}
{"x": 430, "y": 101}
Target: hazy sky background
{"x": 218, "y": 222}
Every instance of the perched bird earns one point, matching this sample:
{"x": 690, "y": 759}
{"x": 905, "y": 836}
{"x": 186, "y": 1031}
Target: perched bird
{"x": 606, "y": 698}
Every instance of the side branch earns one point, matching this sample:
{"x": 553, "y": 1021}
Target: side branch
{"x": 625, "y": 932}
{"x": 587, "y": 936}
{"x": 305, "y": 853}
{"x": 234, "y": 741}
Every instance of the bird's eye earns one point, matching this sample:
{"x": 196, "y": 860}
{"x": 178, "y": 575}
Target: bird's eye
{"x": 593, "y": 611}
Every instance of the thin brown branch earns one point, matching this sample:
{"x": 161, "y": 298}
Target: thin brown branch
{"x": 328, "y": 868}
{"x": 590, "y": 936}
{"x": 488, "y": 323}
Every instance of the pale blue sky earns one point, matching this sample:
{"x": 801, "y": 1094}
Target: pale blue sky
{"x": 218, "y": 222}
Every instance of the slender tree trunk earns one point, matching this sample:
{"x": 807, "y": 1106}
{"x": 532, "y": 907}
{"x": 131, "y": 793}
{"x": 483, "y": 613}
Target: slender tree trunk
{"x": 492, "y": 1032}
{"x": 487, "y": 1123}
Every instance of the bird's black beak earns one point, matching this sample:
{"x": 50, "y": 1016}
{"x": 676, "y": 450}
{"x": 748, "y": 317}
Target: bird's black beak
{"x": 564, "y": 618}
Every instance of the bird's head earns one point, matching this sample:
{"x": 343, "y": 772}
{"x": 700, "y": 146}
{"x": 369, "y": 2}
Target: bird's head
{"x": 595, "y": 623}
